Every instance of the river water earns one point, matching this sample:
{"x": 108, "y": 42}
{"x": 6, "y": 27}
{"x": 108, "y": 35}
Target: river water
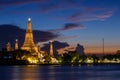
{"x": 57, "y": 72}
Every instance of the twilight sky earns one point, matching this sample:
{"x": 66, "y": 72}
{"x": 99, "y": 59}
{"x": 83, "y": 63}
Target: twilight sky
{"x": 76, "y": 21}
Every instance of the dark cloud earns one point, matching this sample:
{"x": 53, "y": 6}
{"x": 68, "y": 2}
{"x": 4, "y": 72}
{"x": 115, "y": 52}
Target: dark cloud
{"x": 47, "y": 5}
{"x": 56, "y": 45}
{"x": 68, "y": 26}
{"x": 41, "y": 36}
{"x": 72, "y": 26}
{"x": 8, "y": 33}
{"x": 17, "y": 2}
{"x": 9, "y": 4}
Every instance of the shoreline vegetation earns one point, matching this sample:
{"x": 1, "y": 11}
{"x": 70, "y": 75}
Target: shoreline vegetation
{"x": 22, "y": 62}
{"x": 22, "y": 57}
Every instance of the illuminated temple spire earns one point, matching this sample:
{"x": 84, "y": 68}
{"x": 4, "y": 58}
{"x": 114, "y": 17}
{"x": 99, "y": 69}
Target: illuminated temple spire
{"x": 8, "y": 47}
{"x": 51, "y": 49}
{"x": 29, "y": 43}
{"x": 16, "y": 44}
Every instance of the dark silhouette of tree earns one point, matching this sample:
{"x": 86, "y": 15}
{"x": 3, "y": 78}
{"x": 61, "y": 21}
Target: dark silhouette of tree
{"x": 80, "y": 49}
{"x": 95, "y": 58}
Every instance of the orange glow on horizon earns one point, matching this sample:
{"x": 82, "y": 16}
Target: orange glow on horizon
{"x": 98, "y": 50}
{"x": 93, "y": 50}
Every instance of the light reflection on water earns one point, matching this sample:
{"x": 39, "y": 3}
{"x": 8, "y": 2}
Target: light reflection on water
{"x": 56, "y": 72}
{"x": 30, "y": 72}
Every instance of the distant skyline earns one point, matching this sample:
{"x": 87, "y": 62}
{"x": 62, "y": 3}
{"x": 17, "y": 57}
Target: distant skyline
{"x": 85, "y": 22}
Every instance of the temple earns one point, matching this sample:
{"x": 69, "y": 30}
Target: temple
{"x": 29, "y": 42}
{"x": 51, "y": 49}
{"x": 16, "y": 44}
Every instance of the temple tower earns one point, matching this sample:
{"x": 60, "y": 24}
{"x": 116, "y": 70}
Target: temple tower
{"x": 51, "y": 49}
{"x": 8, "y": 47}
{"x": 29, "y": 43}
{"x": 16, "y": 44}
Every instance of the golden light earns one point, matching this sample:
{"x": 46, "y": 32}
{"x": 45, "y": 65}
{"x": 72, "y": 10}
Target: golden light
{"x": 32, "y": 60}
{"x": 89, "y": 60}
{"x": 54, "y": 60}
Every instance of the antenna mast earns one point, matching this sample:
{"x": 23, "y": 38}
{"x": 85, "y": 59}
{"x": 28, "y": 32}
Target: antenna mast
{"x": 103, "y": 46}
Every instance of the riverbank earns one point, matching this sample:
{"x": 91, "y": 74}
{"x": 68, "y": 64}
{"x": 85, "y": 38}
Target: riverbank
{"x": 24, "y": 62}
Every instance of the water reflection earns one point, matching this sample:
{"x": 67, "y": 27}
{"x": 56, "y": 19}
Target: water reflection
{"x": 40, "y": 72}
{"x": 30, "y": 72}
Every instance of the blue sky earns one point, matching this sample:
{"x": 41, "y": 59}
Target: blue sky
{"x": 89, "y": 20}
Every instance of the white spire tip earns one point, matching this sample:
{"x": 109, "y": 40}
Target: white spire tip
{"x": 16, "y": 40}
{"x": 29, "y": 19}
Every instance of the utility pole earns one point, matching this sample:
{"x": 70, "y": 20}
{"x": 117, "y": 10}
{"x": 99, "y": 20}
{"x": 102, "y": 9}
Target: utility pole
{"x": 103, "y": 46}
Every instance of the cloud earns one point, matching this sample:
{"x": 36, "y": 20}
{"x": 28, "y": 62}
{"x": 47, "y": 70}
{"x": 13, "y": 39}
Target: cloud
{"x": 90, "y": 14}
{"x": 68, "y": 26}
{"x": 46, "y": 6}
{"x": 18, "y": 2}
{"x": 6, "y": 4}
{"x": 78, "y": 12}
{"x": 83, "y": 13}
{"x": 8, "y": 33}
{"x": 104, "y": 15}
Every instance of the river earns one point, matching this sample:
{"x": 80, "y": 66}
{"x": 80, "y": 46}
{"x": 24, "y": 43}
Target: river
{"x": 58, "y": 72}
